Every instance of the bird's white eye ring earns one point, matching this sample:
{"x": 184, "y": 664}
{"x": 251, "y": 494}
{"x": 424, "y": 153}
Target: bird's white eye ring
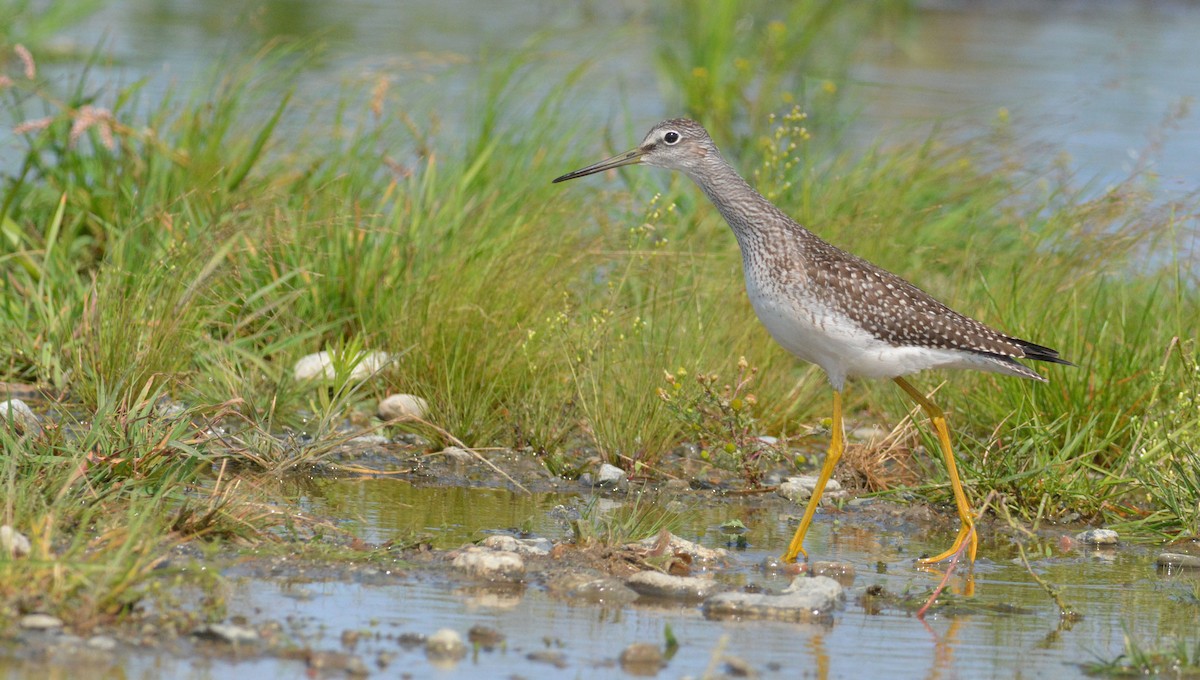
{"x": 671, "y": 137}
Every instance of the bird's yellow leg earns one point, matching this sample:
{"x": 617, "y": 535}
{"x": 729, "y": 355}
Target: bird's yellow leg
{"x": 836, "y": 446}
{"x": 938, "y": 418}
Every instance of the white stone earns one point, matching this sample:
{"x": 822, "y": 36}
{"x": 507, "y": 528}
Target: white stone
{"x": 102, "y": 642}
{"x": 806, "y": 599}
{"x": 445, "y": 644}
{"x": 657, "y": 584}
{"x": 610, "y": 475}
{"x": 399, "y": 406}
{"x": 798, "y": 489}
{"x": 319, "y": 366}
{"x": 23, "y": 417}
{"x": 40, "y": 622}
{"x": 490, "y": 564}
{"x": 524, "y": 546}
{"x": 14, "y": 542}
{"x": 1098, "y": 537}
{"x": 676, "y": 544}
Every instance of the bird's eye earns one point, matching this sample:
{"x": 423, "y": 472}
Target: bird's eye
{"x": 671, "y": 137}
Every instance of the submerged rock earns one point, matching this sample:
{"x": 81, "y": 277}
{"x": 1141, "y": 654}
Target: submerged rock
{"x": 642, "y": 658}
{"x": 485, "y": 636}
{"x": 1098, "y": 537}
{"x": 524, "y": 546}
{"x": 320, "y": 366}
{"x": 737, "y": 667}
{"x": 21, "y": 416}
{"x": 398, "y": 406}
{"x": 551, "y": 656}
{"x": 490, "y": 564}
{"x": 14, "y": 542}
{"x": 445, "y": 645}
{"x": 806, "y": 599}
{"x": 590, "y": 588}
{"x": 658, "y": 584}
{"x": 327, "y": 662}
{"x": 456, "y": 454}
{"x": 842, "y": 572}
{"x": 1178, "y": 561}
{"x": 799, "y": 489}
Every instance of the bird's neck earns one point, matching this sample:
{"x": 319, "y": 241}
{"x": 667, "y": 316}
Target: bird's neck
{"x": 755, "y": 221}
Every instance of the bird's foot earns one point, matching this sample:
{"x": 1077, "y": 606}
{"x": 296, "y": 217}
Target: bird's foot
{"x": 967, "y": 538}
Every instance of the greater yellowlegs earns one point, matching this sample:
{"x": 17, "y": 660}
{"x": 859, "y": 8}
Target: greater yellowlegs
{"x": 833, "y": 309}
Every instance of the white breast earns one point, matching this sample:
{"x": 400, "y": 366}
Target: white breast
{"x": 816, "y": 333}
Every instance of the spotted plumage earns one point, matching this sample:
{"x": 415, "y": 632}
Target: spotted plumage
{"x": 832, "y": 308}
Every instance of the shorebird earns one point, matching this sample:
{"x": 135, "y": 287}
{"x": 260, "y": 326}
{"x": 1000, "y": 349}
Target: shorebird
{"x": 833, "y": 309}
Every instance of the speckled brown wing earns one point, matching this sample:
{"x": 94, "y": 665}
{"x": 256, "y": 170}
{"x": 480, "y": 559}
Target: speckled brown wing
{"x": 901, "y": 314}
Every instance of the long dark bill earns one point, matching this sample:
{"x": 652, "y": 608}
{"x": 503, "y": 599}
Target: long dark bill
{"x": 628, "y": 158}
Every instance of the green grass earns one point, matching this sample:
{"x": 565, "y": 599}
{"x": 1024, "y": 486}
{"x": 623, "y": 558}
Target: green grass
{"x": 198, "y": 247}
{"x": 1178, "y": 659}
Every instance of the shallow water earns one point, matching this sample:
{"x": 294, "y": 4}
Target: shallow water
{"x": 1117, "y": 591}
{"x": 1093, "y": 79}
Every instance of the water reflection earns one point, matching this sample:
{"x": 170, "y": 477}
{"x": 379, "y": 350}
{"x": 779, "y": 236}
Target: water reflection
{"x": 1098, "y": 79}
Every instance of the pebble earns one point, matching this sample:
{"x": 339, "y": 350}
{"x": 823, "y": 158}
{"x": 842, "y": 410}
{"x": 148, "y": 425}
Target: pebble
{"x": 641, "y": 658}
{"x": 798, "y": 489}
{"x": 319, "y": 366}
{"x": 697, "y": 552}
{"x": 658, "y": 584}
{"x": 1178, "y": 560}
{"x": 806, "y": 599}
{"x": 21, "y": 416}
{"x": 524, "y": 546}
{"x": 14, "y": 542}
{"x": 370, "y": 440}
{"x": 490, "y": 564}
{"x": 1098, "y": 537}
{"x": 227, "y": 632}
{"x": 609, "y": 475}
{"x": 446, "y": 644}
{"x": 40, "y": 622}
{"x": 398, "y": 406}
